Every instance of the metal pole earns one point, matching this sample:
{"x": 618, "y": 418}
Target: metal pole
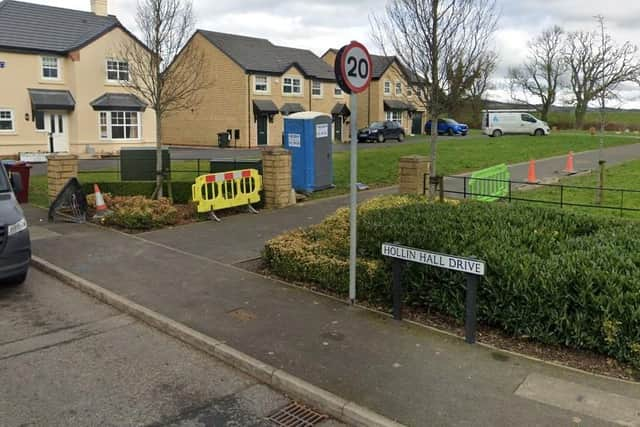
{"x": 353, "y": 217}
{"x": 470, "y": 321}
{"x": 397, "y": 289}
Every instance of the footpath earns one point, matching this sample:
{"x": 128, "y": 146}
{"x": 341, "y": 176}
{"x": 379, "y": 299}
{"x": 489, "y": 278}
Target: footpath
{"x": 417, "y": 376}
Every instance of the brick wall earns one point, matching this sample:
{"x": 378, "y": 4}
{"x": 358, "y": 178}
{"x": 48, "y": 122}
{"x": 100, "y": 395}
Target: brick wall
{"x": 60, "y": 168}
{"x": 412, "y": 174}
{"x": 276, "y": 164}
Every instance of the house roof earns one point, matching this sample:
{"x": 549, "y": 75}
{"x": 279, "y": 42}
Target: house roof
{"x": 51, "y": 100}
{"x": 33, "y": 27}
{"x": 118, "y": 101}
{"x": 261, "y": 56}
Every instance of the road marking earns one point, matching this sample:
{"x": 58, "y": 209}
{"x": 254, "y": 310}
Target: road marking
{"x": 581, "y": 399}
{"x": 47, "y": 340}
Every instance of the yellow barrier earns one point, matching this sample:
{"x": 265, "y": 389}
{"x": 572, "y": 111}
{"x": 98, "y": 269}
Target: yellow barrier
{"x": 226, "y": 190}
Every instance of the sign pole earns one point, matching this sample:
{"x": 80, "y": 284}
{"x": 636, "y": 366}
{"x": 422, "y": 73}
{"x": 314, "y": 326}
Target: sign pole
{"x": 353, "y": 217}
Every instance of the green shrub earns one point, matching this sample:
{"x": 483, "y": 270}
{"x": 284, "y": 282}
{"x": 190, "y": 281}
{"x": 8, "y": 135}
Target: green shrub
{"x": 557, "y": 277}
{"x": 181, "y": 190}
{"x": 137, "y": 212}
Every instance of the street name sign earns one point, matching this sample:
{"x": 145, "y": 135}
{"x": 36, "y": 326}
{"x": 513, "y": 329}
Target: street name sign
{"x": 465, "y": 265}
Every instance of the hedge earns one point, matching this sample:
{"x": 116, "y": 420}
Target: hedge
{"x": 553, "y": 276}
{"x": 181, "y": 190}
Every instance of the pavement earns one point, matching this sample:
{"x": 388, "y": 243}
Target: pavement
{"x": 551, "y": 169}
{"x": 66, "y": 359}
{"x": 409, "y": 373}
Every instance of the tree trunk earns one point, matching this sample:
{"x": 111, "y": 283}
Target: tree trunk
{"x": 158, "y": 192}
{"x": 581, "y": 112}
{"x": 544, "y": 113}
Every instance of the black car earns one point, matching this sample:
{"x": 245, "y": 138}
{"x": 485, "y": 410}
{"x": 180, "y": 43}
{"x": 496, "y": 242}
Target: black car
{"x": 381, "y": 131}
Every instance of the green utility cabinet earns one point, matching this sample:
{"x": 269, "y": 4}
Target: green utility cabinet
{"x": 139, "y": 164}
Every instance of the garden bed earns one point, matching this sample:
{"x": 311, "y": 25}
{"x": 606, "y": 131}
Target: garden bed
{"x": 564, "y": 286}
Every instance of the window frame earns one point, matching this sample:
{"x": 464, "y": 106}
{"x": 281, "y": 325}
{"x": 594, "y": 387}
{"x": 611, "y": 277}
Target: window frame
{"x": 118, "y": 71}
{"x": 398, "y": 88}
{"x": 267, "y": 90}
{"x": 320, "y": 89}
{"x": 12, "y": 119}
{"x": 387, "y": 85}
{"x": 109, "y": 125}
{"x": 58, "y": 68}
{"x": 389, "y": 116}
{"x": 293, "y": 93}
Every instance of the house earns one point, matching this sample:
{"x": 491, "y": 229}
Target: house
{"x": 255, "y": 84}
{"x": 62, "y": 83}
{"x": 389, "y": 97}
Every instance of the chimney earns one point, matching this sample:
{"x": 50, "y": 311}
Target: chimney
{"x": 99, "y": 7}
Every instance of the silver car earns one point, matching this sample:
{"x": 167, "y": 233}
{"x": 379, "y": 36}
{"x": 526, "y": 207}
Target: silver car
{"x": 15, "y": 243}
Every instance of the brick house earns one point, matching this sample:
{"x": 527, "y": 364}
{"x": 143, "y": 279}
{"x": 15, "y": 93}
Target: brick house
{"x": 389, "y": 97}
{"x": 61, "y": 84}
{"x": 255, "y": 85}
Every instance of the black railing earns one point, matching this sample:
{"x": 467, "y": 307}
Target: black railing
{"x": 562, "y": 195}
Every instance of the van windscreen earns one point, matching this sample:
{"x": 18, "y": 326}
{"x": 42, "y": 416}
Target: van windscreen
{"x": 4, "y": 182}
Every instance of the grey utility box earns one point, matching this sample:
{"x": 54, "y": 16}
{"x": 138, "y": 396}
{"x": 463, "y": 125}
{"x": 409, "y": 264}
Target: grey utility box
{"x": 139, "y": 164}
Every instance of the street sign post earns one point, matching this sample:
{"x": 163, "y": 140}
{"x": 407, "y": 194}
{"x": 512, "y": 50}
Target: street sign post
{"x": 473, "y": 269}
{"x": 353, "y": 70}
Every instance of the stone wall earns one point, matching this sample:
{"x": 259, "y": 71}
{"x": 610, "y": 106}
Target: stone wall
{"x": 276, "y": 164}
{"x": 412, "y": 174}
{"x": 60, "y": 168}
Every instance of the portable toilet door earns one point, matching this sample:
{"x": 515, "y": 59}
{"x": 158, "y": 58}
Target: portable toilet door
{"x": 323, "y": 148}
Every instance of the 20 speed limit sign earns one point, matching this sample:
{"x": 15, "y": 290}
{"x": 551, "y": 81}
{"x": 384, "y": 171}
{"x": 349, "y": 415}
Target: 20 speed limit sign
{"x": 353, "y": 68}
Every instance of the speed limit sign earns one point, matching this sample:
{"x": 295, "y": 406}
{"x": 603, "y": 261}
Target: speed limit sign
{"x": 353, "y": 68}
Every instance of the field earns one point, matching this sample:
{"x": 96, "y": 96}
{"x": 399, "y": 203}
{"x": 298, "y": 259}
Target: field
{"x": 615, "y": 120}
{"x": 617, "y": 178}
{"x": 378, "y": 167}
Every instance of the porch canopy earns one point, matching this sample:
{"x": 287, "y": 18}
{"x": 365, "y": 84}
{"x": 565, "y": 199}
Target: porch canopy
{"x": 290, "y": 108}
{"x": 393, "y": 105}
{"x": 118, "y": 102}
{"x": 42, "y": 99}
{"x": 340, "y": 109}
{"x": 264, "y": 106}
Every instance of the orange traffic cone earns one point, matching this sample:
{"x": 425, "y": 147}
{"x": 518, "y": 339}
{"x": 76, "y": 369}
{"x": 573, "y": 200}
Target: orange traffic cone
{"x": 101, "y": 206}
{"x": 570, "y": 169}
{"x": 532, "y": 179}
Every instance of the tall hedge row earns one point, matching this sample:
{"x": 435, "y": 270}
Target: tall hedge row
{"x": 554, "y": 276}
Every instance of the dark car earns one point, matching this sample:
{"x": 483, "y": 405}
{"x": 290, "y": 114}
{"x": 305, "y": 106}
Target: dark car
{"x": 448, "y": 127}
{"x": 381, "y": 131}
{"x": 15, "y": 244}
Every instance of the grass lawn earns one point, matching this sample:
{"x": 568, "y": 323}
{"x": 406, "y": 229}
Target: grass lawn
{"x": 629, "y": 119}
{"x": 625, "y": 176}
{"x": 379, "y": 167}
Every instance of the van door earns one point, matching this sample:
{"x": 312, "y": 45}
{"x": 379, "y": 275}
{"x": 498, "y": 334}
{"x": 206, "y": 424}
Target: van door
{"x": 528, "y": 123}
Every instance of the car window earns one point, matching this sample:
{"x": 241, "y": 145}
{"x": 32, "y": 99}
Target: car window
{"x": 377, "y": 125}
{"x": 528, "y": 118}
{"x": 4, "y": 183}
{"x": 451, "y": 122}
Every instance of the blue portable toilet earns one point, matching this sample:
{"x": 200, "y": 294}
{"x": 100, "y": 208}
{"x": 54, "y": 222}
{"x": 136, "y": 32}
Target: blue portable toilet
{"x": 308, "y": 136}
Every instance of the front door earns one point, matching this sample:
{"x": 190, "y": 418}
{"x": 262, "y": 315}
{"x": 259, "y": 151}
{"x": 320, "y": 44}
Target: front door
{"x": 416, "y": 126}
{"x": 57, "y": 123}
{"x": 337, "y": 125}
{"x": 263, "y": 123}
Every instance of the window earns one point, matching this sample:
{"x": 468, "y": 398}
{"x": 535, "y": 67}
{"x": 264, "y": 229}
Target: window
{"x": 39, "y": 119}
{"x": 409, "y": 92}
{"x": 50, "y": 68}
{"x": 6, "y": 121}
{"x": 261, "y": 84}
{"x": 119, "y": 125}
{"x": 117, "y": 71}
{"x": 316, "y": 89}
{"x": 292, "y": 86}
{"x": 393, "y": 116}
{"x": 337, "y": 91}
{"x": 387, "y": 88}
{"x": 398, "y": 89}
{"x": 528, "y": 118}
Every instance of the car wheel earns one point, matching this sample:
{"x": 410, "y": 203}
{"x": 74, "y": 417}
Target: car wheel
{"x": 401, "y": 137}
{"x": 539, "y": 132}
{"x": 380, "y": 138}
{"x": 16, "y": 280}
{"x": 450, "y": 132}
{"x": 463, "y": 134}
{"x": 497, "y": 133}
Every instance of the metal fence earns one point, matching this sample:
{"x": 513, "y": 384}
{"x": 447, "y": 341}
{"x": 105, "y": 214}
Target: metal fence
{"x": 109, "y": 169}
{"x": 561, "y": 195}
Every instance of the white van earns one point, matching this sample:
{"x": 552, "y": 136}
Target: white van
{"x": 500, "y": 122}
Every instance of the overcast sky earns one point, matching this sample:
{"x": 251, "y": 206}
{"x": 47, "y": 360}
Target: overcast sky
{"x": 321, "y": 24}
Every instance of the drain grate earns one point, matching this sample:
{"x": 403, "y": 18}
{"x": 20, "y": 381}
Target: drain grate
{"x": 296, "y": 415}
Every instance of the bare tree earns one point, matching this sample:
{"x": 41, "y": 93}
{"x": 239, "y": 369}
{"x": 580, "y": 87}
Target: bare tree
{"x": 163, "y": 74}
{"x": 541, "y": 74}
{"x": 441, "y": 43}
{"x": 597, "y": 66}
{"x": 481, "y": 85}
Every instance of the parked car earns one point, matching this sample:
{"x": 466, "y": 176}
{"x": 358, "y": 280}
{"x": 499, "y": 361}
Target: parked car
{"x": 448, "y": 127}
{"x": 15, "y": 243}
{"x": 381, "y": 131}
{"x": 501, "y": 122}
